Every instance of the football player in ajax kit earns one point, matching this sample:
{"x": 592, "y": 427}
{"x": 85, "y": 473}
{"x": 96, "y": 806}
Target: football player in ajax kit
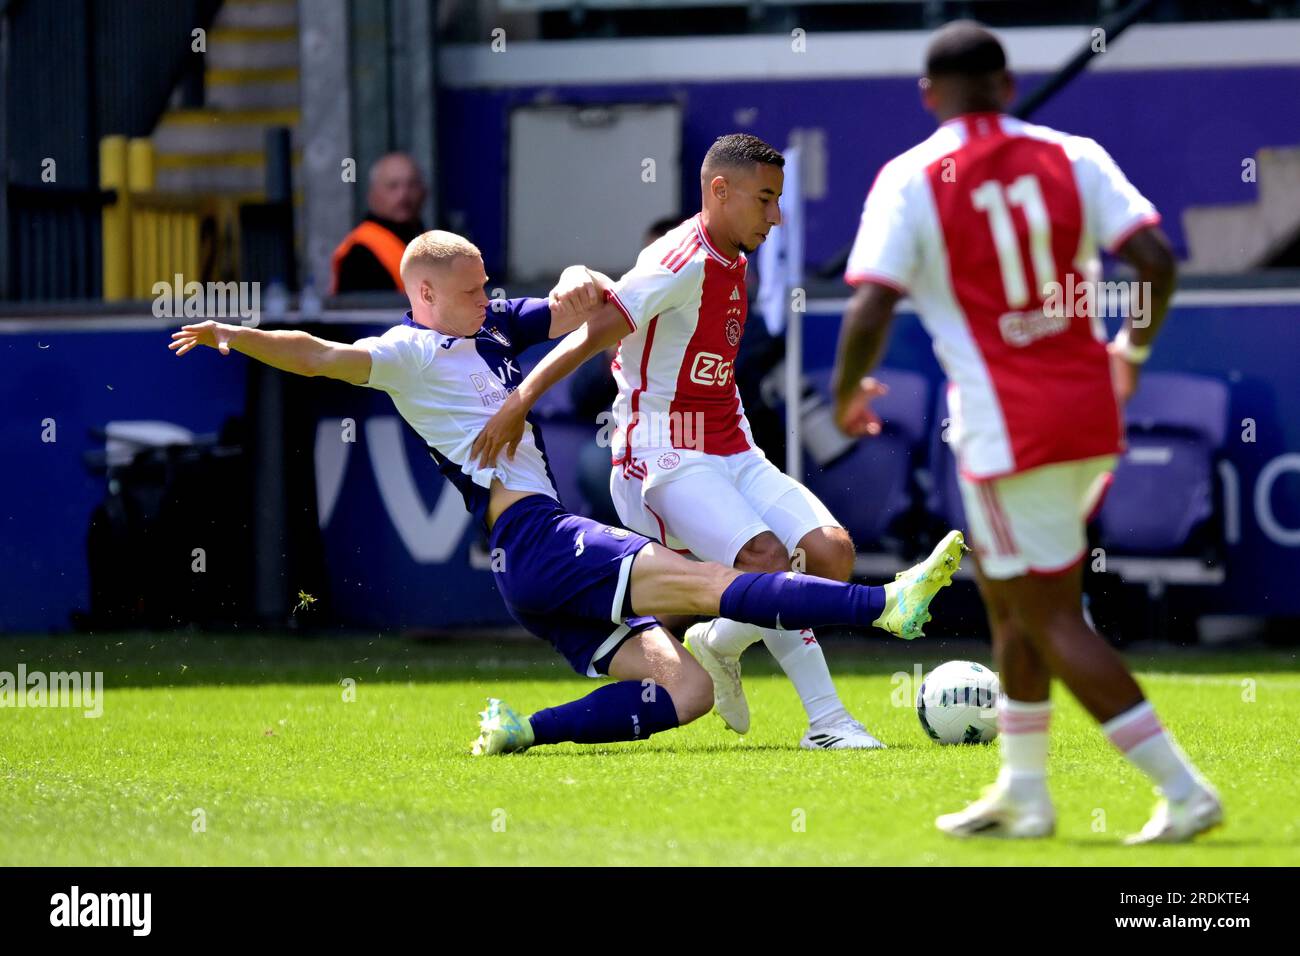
{"x": 589, "y": 589}
{"x": 686, "y": 471}
{"x": 980, "y": 225}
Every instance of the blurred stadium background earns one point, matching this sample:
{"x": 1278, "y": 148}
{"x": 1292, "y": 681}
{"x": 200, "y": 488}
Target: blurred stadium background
{"x": 233, "y": 142}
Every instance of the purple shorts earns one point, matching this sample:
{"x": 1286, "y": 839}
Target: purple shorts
{"x": 567, "y": 580}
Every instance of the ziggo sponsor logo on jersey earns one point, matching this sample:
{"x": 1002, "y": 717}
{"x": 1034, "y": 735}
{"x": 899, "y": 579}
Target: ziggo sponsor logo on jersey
{"x": 709, "y": 368}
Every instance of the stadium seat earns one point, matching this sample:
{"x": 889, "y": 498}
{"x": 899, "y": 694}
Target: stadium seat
{"x": 1155, "y": 523}
{"x": 1163, "y": 494}
{"x": 870, "y": 488}
{"x": 1163, "y": 489}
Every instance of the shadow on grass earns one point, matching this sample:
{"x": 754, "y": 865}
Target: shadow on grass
{"x": 192, "y": 660}
{"x": 1212, "y": 843}
{"x": 685, "y": 750}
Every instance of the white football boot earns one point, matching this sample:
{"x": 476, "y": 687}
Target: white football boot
{"x": 1179, "y": 821}
{"x": 995, "y": 814}
{"x": 841, "y": 733}
{"x": 728, "y": 693}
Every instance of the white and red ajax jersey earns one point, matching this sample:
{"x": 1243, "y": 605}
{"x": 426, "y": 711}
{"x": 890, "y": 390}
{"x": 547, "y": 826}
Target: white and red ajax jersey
{"x": 977, "y": 224}
{"x": 686, "y": 304}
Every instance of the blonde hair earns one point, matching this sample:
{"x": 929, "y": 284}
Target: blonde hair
{"x": 434, "y": 249}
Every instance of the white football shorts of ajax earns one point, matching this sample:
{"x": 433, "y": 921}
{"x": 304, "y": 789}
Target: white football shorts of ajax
{"x": 1034, "y": 521}
{"x": 713, "y": 505}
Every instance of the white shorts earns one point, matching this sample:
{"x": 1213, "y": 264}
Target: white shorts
{"x": 1034, "y": 522}
{"x": 713, "y": 505}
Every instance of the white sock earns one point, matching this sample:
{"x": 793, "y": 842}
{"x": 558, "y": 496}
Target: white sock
{"x": 800, "y": 656}
{"x": 730, "y": 638}
{"x": 1022, "y": 731}
{"x": 1139, "y": 735}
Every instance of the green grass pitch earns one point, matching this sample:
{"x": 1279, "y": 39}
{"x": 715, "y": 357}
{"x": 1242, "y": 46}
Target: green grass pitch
{"x": 255, "y": 733}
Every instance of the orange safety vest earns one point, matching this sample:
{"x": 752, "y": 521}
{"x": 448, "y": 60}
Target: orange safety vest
{"x": 385, "y": 247}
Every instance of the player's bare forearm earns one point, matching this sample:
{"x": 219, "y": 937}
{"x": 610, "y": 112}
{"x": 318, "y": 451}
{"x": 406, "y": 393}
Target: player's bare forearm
{"x": 505, "y": 429}
{"x": 862, "y": 338}
{"x": 603, "y": 328}
{"x": 1149, "y": 252}
{"x": 289, "y": 351}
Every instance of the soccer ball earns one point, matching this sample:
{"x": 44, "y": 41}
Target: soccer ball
{"x": 957, "y": 703}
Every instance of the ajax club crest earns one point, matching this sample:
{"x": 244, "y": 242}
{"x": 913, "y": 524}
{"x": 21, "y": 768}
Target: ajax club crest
{"x": 733, "y": 332}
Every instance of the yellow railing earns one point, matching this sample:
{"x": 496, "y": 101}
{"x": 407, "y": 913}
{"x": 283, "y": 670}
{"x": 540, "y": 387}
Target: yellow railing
{"x": 151, "y": 237}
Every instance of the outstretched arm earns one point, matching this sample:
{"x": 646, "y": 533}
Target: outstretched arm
{"x": 647, "y": 290}
{"x": 288, "y": 351}
{"x": 505, "y": 429}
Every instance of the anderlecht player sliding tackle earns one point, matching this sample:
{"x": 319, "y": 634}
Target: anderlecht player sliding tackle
{"x": 589, "y": 589}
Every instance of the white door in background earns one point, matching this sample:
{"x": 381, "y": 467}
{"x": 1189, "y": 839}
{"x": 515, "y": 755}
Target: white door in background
{"x": 586, "y": 182}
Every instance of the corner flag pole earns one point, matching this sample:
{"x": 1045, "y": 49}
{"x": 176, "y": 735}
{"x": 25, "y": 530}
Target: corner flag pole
{"x": 780, "y": 277}
{"x": 793, "y": 394}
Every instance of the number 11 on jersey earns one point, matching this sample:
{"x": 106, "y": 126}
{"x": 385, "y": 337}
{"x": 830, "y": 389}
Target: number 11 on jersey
{"x": 991, "y": 198}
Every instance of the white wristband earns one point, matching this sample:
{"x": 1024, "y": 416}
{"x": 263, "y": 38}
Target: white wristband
{"x": 1137, "y": 354}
